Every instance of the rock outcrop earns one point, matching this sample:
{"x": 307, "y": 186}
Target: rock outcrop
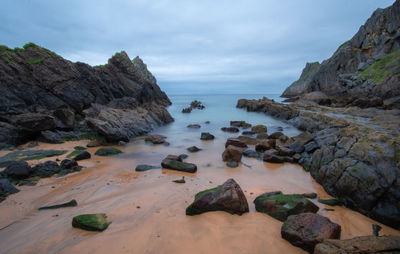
{"x": 366, "y": 66}
{"x": 43, "y": 94}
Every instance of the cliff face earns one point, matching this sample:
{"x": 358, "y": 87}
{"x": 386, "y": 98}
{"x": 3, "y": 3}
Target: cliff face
{"x": 44, "y": 95}
{"x": 351, "y": 71}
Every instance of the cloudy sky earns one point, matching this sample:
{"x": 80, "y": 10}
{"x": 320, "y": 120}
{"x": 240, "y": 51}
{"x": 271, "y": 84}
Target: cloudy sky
{"x": 192, "y": 46}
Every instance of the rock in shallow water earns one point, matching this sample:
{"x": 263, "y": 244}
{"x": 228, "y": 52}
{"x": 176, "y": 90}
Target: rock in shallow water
{"x": 144, "y": 167}
{"x": 235, "y": 142}
{"x": 83, "y": 155}
{"x": 174, "y": 162}
{"x": 155, "y": 139}
{"x": 227, "y": 197}
{"x": 106, "y": 151}
{"x": 280, "y": 206}
{"x": 232, "y": 153}
{"x": 308, "y": 229}
{"x": 206, "y": 136}
{"x": 91, "y": 222}
{"x": 193, "y": 149}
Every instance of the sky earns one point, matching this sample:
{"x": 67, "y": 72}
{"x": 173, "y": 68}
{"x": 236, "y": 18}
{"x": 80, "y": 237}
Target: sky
{"x": 192, "y": 46}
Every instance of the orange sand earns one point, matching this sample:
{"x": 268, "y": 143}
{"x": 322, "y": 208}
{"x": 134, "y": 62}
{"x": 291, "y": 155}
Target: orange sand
{"x": 110, "y": 185}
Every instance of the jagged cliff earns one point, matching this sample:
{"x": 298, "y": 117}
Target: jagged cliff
{"x": 45, "y": 96}
{"x": 368, "y": 65}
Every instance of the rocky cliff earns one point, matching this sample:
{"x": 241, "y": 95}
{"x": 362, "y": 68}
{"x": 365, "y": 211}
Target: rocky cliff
{"x": 45, "y": 96}
{"x": 368, "y": 65}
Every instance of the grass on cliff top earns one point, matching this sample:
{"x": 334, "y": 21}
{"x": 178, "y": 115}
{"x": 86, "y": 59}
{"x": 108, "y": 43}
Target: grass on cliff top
{"x": 382, "y": 69}
{"x": 30, "y": 45}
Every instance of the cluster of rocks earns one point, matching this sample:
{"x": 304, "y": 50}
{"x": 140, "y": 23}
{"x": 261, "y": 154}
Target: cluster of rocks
{"x": 193, "y": 105}
{"x": 52, "y": 99}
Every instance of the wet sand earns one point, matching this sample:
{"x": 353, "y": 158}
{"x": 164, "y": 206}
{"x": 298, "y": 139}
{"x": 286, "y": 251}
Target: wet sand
{"x": 147, "y": 209}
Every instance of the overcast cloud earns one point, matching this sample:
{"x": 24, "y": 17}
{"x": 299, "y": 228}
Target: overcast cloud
{"x": 191, "y": 46}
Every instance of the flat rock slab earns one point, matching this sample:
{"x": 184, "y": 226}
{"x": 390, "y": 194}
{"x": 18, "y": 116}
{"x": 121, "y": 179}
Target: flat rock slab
{"x": 144, "y": 167}
{"x": 280, "y": 206}
{"x": 362, "y": 244}
{"x": 227, "y": 197}
{"x": 71, "y": 203}
{"x": 106, "y": 151}
{"x": 308, "y": 229}
{"x": 91, "y": 222}
{"x": 27, "y": 155}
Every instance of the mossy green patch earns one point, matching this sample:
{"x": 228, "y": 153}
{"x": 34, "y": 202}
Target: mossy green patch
{"x": 32, "y": 60}
{"x": 71, "y": 203}
{"x": 105, "y": 151}
{"x": 383, "y": 68}
{"x": 27, "y": 155}
{"x": 91, "y": 222}
{"x": 202, "y": 193}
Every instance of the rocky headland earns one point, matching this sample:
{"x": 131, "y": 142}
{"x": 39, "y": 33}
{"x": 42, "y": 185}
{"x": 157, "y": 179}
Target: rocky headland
{"x": 46, "y": 97}
{"x": 350, "y": 106}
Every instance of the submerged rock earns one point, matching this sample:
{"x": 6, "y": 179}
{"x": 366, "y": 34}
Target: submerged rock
{"x": 71, "y": 203}
{"x": 206, "y": 136}
{"x": 280, "y": 206}
{"x": 242, "y": 124}
{"x": 67, "y": 164}
{"x": 193, "y": 126}
{"x": 360, "y": 245}
{"x": 106, "y": 151}
{"x": 144, "y": 167}
{"x": 308, "y": 229}
{"x": 230, "y": 129}
{"x": 227, "y": 197}
{"x": 175, "y": 163}
{"x": 182, "y": 180}
{"x": 91, "y": 222}
{"x": 251, "y": 153}
{"x": 155, "y": 139}
{"x": 232, "y": 164}
{"x": 272, "y": 156}
{"x": 193, "y": 149}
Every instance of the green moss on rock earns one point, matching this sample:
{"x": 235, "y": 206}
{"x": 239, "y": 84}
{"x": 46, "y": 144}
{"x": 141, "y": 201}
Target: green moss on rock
{"x": 106, "y": 151}
{"x": 91, "y": 222}
{"x": 383, "y": 68}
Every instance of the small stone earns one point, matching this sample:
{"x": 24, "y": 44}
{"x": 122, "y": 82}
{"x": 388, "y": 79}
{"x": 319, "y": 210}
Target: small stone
{"x": 193, "y": 149}
{"x": 207, "y": 136}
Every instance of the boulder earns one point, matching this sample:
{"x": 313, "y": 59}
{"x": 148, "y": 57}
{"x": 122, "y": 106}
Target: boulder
{"x": 106, "y": 151}
{"x": 193, "y": 149}
{"x": 230, "y": 129}
{"x": 194, "y": 126}
{"x": 6, "y": 188}
{"x": 248, "y": 140}
{"x": 18, "y": 170}
{"x": 235, "y": 142}
{"x": 46, "y": 169}
{"x": 272, "y": 156}
{"x": 227, "y": 197}
{"x": 311, "y": 147}
{"x": 183, "y": 156}
{"x": 259, "y": 128}
{"x": 67, "y": 164}
{"x": 308, "y": 229}
{"x": 91, "y": 222}
{"x": 362, "y": 244}
{"x": 83, "y": 155}
{"x": 175, "y": 163}
{"x": 276, "y": 135}
{"x": 94, "y": 143}
{"x": 232, "y": 153}
{"x": 155, "y": 139}
{"x": 280, "y": 206}
{"x": 263, "y": 146}
{"x": 206, "y": 136}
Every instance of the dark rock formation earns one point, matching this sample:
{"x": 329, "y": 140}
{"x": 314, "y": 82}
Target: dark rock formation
{"x": 46, "y": 169}
{"x": 228, "y": 197}
{"x": 175, "y": 162}
{"x": 259, "y": 128}
{"x": 366, "y": 66}
{"x": 43, "y": 92}
{"x": 193, "y": 149}
{"x": 83, "y": 155}
{"x": 155, "y": 139}
{"x": 308, "y": 229}
{"x": 18, "y": 170}
{"x": 193, "y": 105}
{"x": 106, "y": 151}
{"x": 363, "y": 244}
{"x": 230, "y": 129}
{"x": 280, "y": 206}
{"x": 194, "y": 126}
{"x": 251, "y": 153}
{"x": 6, "y": 188}
{"x": 242, "y": 124}
{"x": 206, "y": 136}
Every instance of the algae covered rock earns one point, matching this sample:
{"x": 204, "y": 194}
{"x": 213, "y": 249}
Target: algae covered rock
{"x": 71, "y": 203}
{"x": 91, "y": 222}
{"x": 106, "y": 151}
{"x": 227, "y": 197}
{"x": 280, "y": 206}
{"x": 171, "y": 162}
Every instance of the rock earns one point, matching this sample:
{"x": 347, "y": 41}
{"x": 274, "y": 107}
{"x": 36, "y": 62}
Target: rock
{"x": 67, "y": 164}
{"x": 232, "y": 164}
{"x": 311, "y": 195}
{"x": 207, "y": 122}
{"x": 106, "y": 151}
{"x": 122, "y": 143}
{"x": 144, "y": 167}
{"x": 311, "y": 147}
{"x": 182, "y": 180}
{"x": 94, "y": 143}
{"x": 182, "y": 157}
{"x": 230, "y": 129}
{"x": 155, "y": 139}
{"x": 174, "y": 163}
{"x": 227, "y": 197}
{"x": 235, "y": 142}
{"x": 308, "y": 229}
{"x": 248, "y": 140}
{"x": 280, "y": 206}
{"x": 193, "y": 149}
{"x": 91, "y": 222}
{"x": 249, "y": 133}
{"x": 263, "y": 146}
{"x": 51, "y": 137}
{"x": 296, "y": 157}
{"x": 187, "y": 110}
{"x": 262, "y": 136}
{"x": 46, "y": 169}
{"x": 18, "y": 170}
{"x": 284, "y": 151}
{"x": 242, "y": 124}
{"x": 197, "y": 104}
{"x": 83, "y": 155}
{"x": 71, "y": 203}
{"x": 250, "y": 153}
{"x": 206, "y": 136}
{"x": 272, "y": 156}
{"x": 232, "y": 153}
{"x": 375, "y": 229}
{"x": 259, "y": 128}
{"x": 331, "y": 202}
{"x": 6, "y": 188}
{"x": 276, "y": 135}
{"x": 26, "y": 155}
{"x": 193, "y": 126}
{"x": 174, "y": 157}
{"x": 361, "y": 244}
